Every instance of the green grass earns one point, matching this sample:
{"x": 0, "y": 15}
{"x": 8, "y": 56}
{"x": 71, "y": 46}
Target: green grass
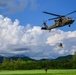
{"x": 39, "y": 72}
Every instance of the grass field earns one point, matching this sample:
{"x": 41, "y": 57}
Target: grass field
{"x": 39, "y": 72}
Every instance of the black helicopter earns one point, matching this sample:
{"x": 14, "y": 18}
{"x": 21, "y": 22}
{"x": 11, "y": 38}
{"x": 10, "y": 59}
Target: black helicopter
{"x": 60, "y": 21}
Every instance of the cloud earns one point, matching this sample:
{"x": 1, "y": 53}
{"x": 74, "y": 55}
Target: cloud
{"x": 13, "y": 6}
{"x": 32, "y": 41}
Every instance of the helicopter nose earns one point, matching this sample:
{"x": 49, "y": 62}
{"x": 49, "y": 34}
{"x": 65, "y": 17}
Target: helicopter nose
{"x": 73, "y": 20}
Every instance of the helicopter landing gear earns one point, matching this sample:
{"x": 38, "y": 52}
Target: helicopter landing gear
{"x": 69, "y": 25}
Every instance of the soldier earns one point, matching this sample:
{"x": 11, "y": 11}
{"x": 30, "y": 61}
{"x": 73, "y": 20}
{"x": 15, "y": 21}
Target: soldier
{"x": 56, "y": 22}
{"x": 60, "y": 20}
{"x": 61, "y": 45}
{"x": 46, "y": 70}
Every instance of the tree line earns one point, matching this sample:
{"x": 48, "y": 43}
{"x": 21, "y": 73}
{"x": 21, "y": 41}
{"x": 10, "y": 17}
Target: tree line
{"x": 19, "y": 64}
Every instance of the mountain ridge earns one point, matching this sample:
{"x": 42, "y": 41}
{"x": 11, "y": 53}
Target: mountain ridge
{"x": 26, "y": 58}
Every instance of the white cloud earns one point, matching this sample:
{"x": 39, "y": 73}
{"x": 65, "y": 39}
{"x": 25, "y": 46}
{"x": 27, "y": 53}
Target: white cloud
{"x": 12, "y": 6}
{"x": 32, "y": 41}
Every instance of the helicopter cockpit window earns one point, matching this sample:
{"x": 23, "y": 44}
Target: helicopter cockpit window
{"x": 69, "y": 18}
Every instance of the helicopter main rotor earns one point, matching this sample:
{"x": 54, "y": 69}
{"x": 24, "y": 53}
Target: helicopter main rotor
{"x": 58, "y": 16}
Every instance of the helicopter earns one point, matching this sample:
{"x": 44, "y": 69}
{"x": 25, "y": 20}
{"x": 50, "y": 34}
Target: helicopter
{"x": 60, "y": 21}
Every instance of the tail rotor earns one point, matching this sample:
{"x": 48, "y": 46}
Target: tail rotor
{"x": 44, "y": 22}
{"x": 45, "y": 26}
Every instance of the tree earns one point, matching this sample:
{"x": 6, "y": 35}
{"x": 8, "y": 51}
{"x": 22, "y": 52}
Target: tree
{"x": 74, "y": 60}
{"x": 5, "y": 64}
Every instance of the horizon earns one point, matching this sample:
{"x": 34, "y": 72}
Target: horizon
{"x": 20, "y": 56}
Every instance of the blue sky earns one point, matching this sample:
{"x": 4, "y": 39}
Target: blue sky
{"x": 32, "y": 11}
{"x": 20, "y": 28}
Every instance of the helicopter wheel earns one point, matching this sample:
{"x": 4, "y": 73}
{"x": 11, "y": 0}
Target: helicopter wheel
{"x": 69, "y": 25}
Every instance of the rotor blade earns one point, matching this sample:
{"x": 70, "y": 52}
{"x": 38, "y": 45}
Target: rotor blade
{"x": 70, "y": 13}
{"x": 73, "y": 17}
{"x": 53, "y": 18}
{"x": 51, "y": 13}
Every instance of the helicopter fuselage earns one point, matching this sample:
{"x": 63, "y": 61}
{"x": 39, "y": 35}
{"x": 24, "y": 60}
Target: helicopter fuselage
{"x": 60, "y": 20}
{"x": 65, "y": 21}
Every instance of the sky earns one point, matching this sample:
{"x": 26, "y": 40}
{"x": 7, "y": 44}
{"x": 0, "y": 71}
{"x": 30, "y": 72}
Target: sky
{"x": 20, "y": 28}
